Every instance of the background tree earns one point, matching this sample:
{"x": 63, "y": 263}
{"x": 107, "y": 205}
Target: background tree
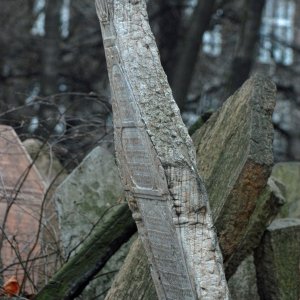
{"x": 54, "y": 47}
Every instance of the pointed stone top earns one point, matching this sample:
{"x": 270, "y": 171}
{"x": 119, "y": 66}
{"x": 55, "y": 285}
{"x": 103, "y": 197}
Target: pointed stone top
{"x": 22, "y": 192}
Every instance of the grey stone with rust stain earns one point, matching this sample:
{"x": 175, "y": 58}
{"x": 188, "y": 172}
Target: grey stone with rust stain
{"x": 277, "y": 261}
{"x": 289, "y": 174}
{"x": 234, "y": 157}
{"x": 82, "y": 199}
{"x": 242, "y": 284}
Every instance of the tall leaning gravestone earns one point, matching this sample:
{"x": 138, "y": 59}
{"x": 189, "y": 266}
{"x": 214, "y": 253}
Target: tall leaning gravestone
{"x": 157, "y": 161}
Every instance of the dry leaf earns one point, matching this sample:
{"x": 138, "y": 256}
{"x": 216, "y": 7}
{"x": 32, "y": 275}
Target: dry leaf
{"x": 11, "y": 287}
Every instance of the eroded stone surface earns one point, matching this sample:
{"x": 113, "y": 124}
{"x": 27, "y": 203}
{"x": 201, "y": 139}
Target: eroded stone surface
{"x": 86, "y": 194}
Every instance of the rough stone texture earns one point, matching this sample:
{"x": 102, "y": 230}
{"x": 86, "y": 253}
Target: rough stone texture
{"x": 157, "y": 161}
{"x": 22, "y": 192}
{"x": 87, "y": 194}
{"x": 277, "y": 261}
{"x": 289, "y": 174}
{"x": 242, "y": 285}
{"x": 234, "y": 156}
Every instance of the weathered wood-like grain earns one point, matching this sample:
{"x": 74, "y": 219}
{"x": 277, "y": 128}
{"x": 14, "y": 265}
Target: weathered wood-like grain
{"x": 137, "y": 284}
{"x": 157, "y": 161}
{"x": 278, "y": 260}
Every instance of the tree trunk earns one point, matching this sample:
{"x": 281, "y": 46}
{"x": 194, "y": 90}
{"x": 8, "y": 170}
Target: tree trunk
{"x": 192, "y": 44}
{"x": 50, "y": 47}
{"x": 247, "y": 45}
{"x": 157, "y": 161}
{"x": 117, "y": 227}
{"x": 169, "y": 20}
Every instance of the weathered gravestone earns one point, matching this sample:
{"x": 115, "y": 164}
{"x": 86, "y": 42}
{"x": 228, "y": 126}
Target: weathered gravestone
{"x": 22, "y": 192}
{"x": 278, "y": 261}
{"x": 235, "y": 158}
{"x": 234, "y": 152}
{"x": 83, "y": 199}
{"x": 289, "y": 174}
{"x": 157, "y": 161}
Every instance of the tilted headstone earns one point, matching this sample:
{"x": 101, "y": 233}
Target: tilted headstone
{"x": 82, "y": 200}
{"x": 235, "y": 157}
{"x": 278, "y": 261}
{"x": 289, "y": 174}
{"x": 157, "y": 161}
{"x": 22, "y": 193}
{"x": 255, "y": 204}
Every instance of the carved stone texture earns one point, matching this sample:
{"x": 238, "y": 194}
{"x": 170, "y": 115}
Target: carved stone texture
{"x": 22, "y": 192}
{"x": 86, "y": 195}
{"x": 277, "y": 261}
{"x": 157, "y": 161}
{"x": 234, "y": 156}
{"x": 289, "y": 174}
{"x": 138, "y": 284}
